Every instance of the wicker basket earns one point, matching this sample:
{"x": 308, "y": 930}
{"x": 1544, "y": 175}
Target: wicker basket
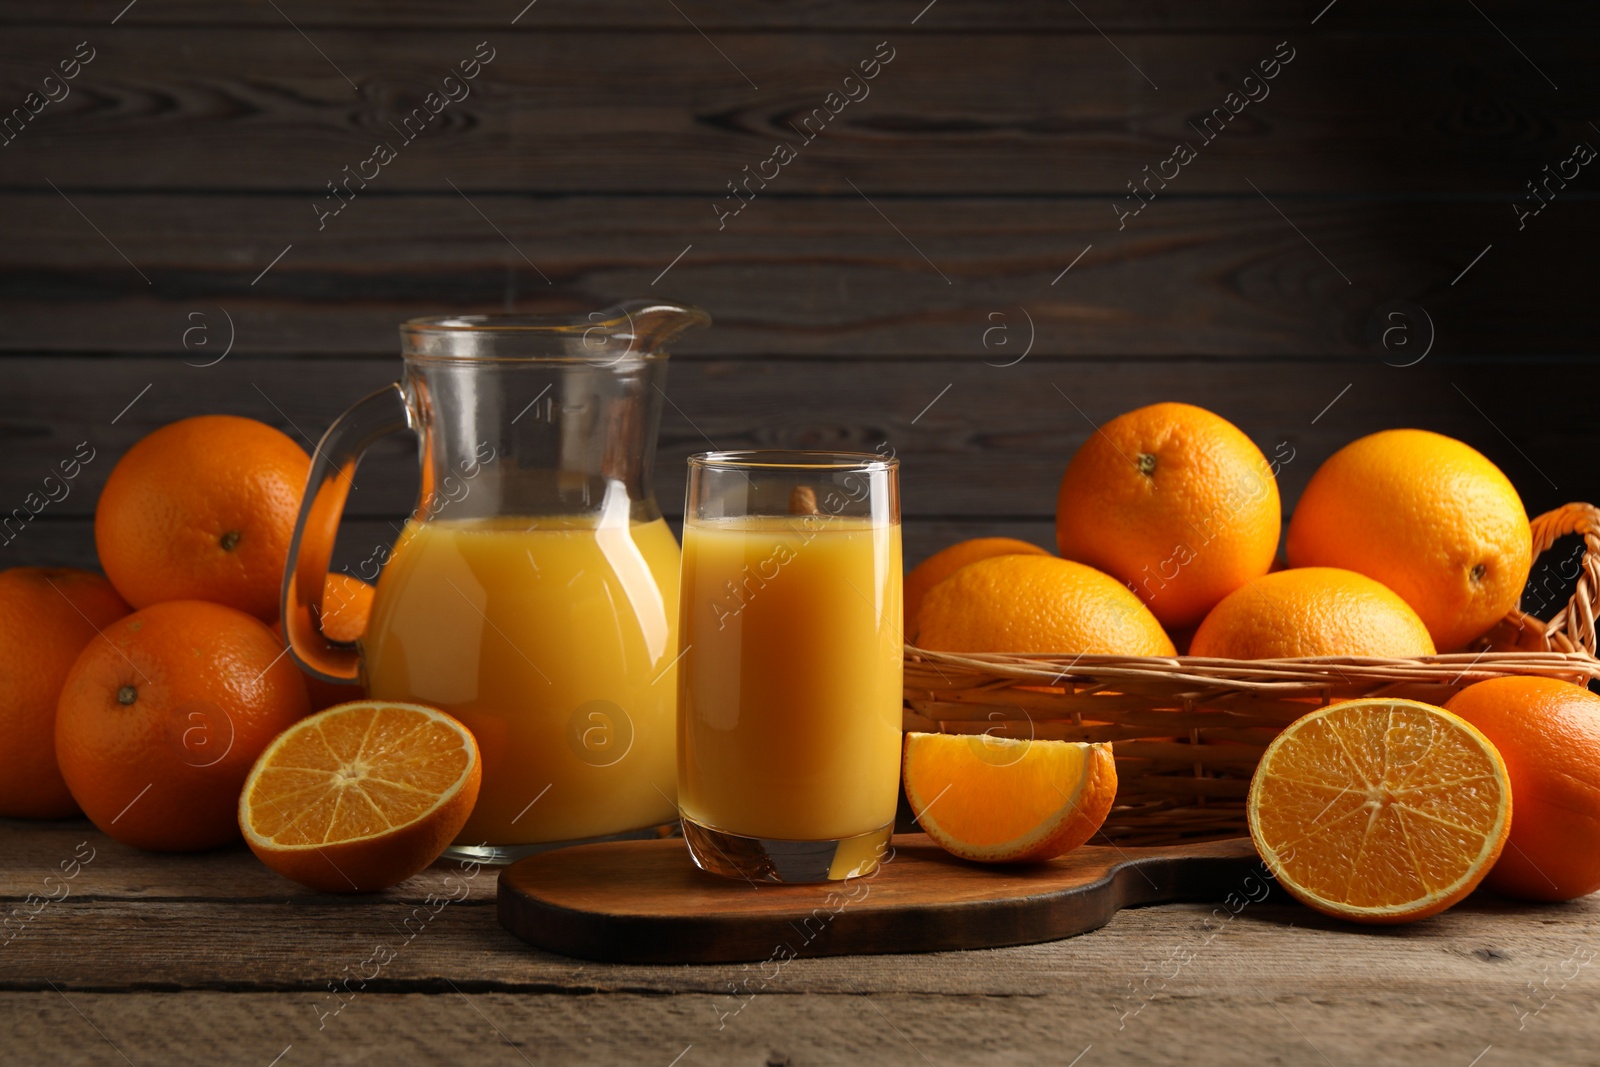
{"x": 1189, "y": 730}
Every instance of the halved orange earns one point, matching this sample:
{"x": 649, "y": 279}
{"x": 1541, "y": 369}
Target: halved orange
{"x": 361, "y": 796}
{"x": 1380, "y": 811}
{"x": 1007, "y": 800}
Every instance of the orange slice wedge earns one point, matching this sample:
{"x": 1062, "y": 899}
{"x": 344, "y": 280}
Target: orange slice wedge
{"x": 1380, "y": 811}
{"x": 1004, "y": 800}
{"x": 361, "y": 796}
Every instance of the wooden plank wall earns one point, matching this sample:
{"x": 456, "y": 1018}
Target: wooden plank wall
{"x": 953, "y": 264}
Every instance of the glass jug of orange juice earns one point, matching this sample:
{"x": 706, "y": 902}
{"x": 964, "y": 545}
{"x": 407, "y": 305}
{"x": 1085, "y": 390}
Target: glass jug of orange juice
{"x": 533, "y": 593}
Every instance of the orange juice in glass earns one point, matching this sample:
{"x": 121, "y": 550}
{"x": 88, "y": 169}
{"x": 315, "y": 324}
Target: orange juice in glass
{"x": 533, "y": 592}
{"x": 789, "y": 687}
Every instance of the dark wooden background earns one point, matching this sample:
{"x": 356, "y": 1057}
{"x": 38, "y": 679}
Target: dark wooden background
{"x": 861, "y": 299}
{"x": 882, "y": 289}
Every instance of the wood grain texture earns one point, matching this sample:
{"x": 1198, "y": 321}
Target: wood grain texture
{"x": 632, "y": 111}
{"x": 827, "y": 278}
{"x": 646, "y": 902}
{"x": 126, "y": 946}
{"x": 120, "y": 872}
{"x": 1216, "y": 1015}
{"x": 142, "y": 944}
{"x": 97, "y": 939}
{"x": 976, "y": 441}
{"x": 815, "y": 14}
{"x": 166, "y": 969}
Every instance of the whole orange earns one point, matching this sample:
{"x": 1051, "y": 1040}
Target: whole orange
{"x": 1429, "y": 517}
{"x": 1175, "y": 501}
{"x": 159, "y": 723}
{"x": 1037, "y": 604}
{"x": 202, "y": 509}
{"x": 1312, "y": 611}
{"x": 942, "y": 564}
{"x": 47, "y": 615}
{"x": 1548, "y": 733}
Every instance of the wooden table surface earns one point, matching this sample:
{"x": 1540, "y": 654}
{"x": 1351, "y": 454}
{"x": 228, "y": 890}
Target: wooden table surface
{"x": 145, "y": 958}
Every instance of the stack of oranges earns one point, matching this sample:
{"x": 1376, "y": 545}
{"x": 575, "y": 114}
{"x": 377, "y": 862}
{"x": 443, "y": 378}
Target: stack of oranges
{"x": 178, "y": 725}
{"x": 1404, "y": 543}
{"x": 143, "y": 700}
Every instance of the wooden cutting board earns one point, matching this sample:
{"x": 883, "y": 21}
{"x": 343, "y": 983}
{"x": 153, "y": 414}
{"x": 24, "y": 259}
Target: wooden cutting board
{"x": 646, "y": 902}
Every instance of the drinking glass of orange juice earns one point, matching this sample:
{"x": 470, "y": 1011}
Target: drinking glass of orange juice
{"x": 533, "y": 592}
{"x": 789, "y": 685}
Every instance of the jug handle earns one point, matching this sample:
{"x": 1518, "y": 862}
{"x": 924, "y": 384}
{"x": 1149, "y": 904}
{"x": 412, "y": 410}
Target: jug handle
{"x": 306, "y": 574}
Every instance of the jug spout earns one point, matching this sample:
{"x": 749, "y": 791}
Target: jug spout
{"x": 650, "y": 325}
